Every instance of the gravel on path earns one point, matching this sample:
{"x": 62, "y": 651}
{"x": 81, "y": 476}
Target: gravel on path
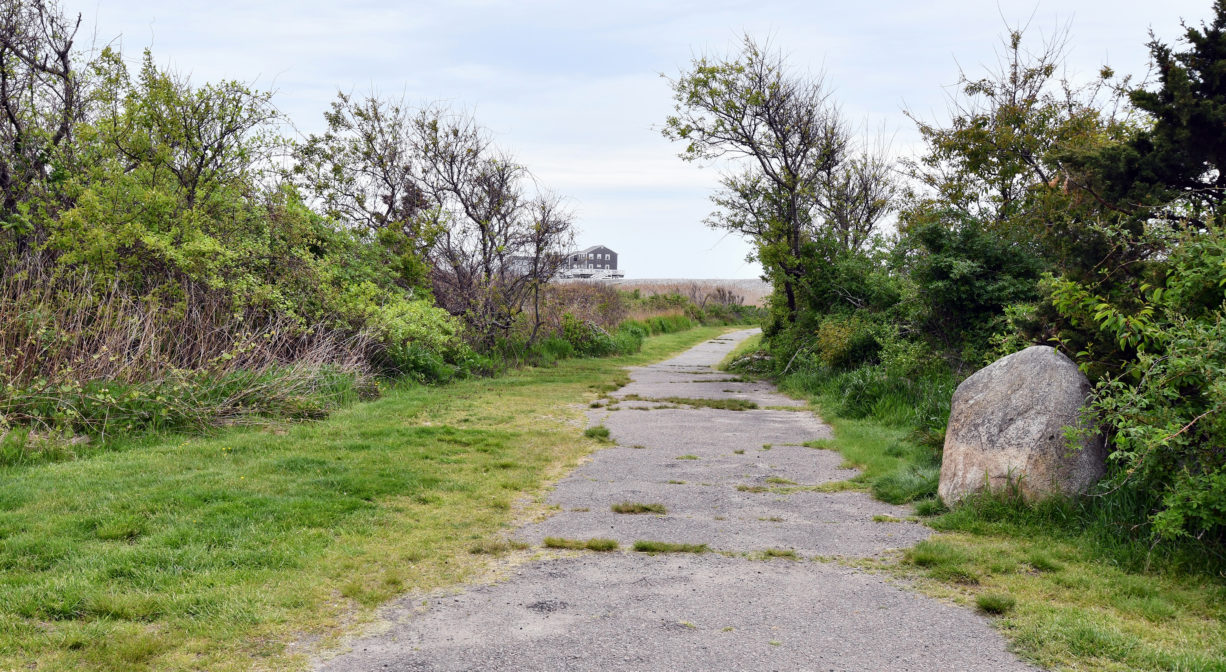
{"x": 741, "y": 482}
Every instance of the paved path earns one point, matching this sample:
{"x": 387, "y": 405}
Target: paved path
{"x": 733, "y": 610}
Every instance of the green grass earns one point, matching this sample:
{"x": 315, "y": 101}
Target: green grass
{"x": 785, "y": 553}
{"x": 995, "y": 603}
{"x": 643, "y": 546}
{"x": 215, "y": 553}
{"x": 751, "y": 344}
{"x": 638, "y": 507}
{"x": 894, "y": 469}
{"x": 594, "y": 544}
{"x": 599, "y": 432}
{"x": 695, "y": 402}
{"x": 1071, "y": 608}
{"x": 496, "y": 547}
{"x": 687, "y": 457}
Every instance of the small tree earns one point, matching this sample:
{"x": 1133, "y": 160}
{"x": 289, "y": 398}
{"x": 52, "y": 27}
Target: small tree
{"x": 41, "y": 102}
{"x": 797, "y": 176}
{"x": 497, "y": 243}
{"x": 366, "y": 171}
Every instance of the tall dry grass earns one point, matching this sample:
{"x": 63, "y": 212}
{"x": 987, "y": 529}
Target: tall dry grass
{"x": 703, "y": 292}
{"x": 79, "y": 356}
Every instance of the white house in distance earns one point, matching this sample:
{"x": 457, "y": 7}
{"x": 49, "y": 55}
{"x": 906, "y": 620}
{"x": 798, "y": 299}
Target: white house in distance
{"x": 594, "y": 263}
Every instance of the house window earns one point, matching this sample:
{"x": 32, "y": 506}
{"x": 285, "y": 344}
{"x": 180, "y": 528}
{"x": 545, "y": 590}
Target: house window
{"x": 589, "y": 255}
{"x": 606, "y": 257}
{"x": 589, "y": 265}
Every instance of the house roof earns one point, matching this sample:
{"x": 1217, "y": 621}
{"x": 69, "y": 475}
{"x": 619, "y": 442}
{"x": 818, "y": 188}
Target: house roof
{"x": 594, "y": 247}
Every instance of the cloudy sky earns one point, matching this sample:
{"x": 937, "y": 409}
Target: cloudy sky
{"x": 575, "y": 90}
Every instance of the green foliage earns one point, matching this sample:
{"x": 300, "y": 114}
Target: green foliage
{"x": 185, "y": 402}
{"x": 843, "y": 343}
{"x": 965, "y": 276}
{"x": 1163, "y": 406}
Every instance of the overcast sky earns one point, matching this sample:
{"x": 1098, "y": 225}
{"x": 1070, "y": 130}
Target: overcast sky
{"x": 575, "y": 90}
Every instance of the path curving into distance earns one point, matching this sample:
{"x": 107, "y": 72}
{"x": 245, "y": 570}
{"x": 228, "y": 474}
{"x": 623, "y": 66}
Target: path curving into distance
{"x": 739, "y": 481}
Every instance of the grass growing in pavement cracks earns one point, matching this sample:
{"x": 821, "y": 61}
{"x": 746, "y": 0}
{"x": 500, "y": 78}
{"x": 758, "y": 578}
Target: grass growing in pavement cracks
{"x": 216, "y": 553}
{"x": 643, "y": 546}
{"x": 594, "y": 544}
{"x": 599, "y": 432}
{"x": 719, "y": 404}
{"x": 638, "y": 507}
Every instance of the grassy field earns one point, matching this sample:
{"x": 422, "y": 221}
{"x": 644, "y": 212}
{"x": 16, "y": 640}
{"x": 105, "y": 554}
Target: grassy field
{"x": 221, "y": 553}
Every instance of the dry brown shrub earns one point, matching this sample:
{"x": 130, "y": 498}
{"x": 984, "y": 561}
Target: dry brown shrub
{"x": 597, "y": 302}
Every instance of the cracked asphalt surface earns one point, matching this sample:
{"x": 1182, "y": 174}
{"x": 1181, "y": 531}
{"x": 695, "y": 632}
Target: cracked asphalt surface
{"x": 745, "y": 483}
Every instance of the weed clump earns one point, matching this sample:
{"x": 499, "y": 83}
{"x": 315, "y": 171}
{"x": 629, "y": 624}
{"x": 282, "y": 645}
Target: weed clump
{"x": 597, "y": 544}
{"x": 599, "y": 432}
{"x": 638, "y": 507}
{"x": 644, "y": 546}
{"x": 718, "y": 404}
{"x": 995, "y": 603}
{"x": 495, "y": 547}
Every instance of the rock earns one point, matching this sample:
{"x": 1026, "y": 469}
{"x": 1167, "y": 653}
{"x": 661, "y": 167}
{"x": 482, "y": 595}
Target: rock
{"x": 1007, "y": 424}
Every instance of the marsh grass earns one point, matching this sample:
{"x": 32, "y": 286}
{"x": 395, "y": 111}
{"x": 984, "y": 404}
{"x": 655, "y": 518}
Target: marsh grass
{"x": 173, "y": 553}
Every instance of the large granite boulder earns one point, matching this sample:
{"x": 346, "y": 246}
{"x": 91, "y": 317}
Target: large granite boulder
{"x": 1007, "y": 424}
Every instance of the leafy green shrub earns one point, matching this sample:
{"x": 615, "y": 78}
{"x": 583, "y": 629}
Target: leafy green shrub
{"x": 845, "y": 343}
{"x": 587, "y": 338}
{"x": 627, "y": 341}
{"x": 636, "y": 327}
{"x": 417, "y": 363}
{"x": 1162, "y": 408}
